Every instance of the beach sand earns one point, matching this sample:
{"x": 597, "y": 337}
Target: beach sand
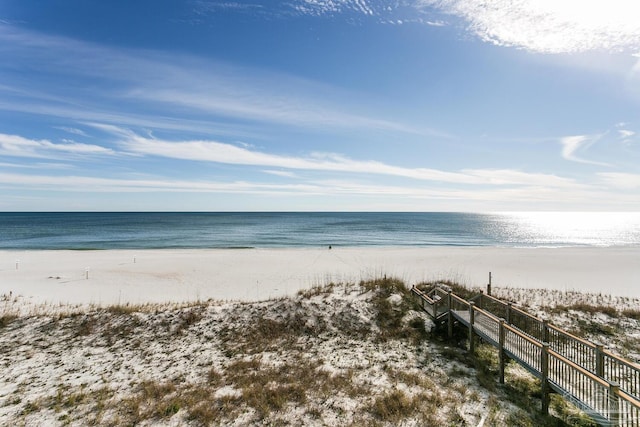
{"x": 321, "y": 354}
{"x": 150, "y": 276}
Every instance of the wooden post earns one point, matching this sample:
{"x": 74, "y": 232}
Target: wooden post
{"x": 489, "y": 285}
{"x": 450, "y": 316}
{"x": 508, "y": 313}
{"x": 435, "y": 308}
{"x": 600, "y": 360}
{"x": 472, "y": 315}
{"x": 545, "y": 331}
{"x": 614, "y": 404}
{"x": 501, "y": 353}
{"x": 544, "y": 367}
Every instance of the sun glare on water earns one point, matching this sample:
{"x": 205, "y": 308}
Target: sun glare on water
{"x": 574, "y": 228}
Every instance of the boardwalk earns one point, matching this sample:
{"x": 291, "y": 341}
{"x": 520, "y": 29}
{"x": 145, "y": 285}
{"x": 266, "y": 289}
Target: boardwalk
{"x": 601, "y": 383}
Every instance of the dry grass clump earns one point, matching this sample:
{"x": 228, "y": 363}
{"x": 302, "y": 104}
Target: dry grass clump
{"x": 631, "y": 313}
{"x": 8, "y": 313}
{"x": 586, "y": 308}
{"x": 392, "y": 301}
{"x": 459, "y": 289}
{"x": 283, "y": 326}
{"x": 6, "y": 319}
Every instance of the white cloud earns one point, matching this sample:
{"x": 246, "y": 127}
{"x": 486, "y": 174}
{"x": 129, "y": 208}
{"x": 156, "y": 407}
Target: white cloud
{"x": 213, "y": 6}
{"x": 219, "y": 152}
{"x": 411, "y": 197}
{"x": 572, "y": 144}
{"x": 285, "y": 174}
{"x": 17, "y": 146}
{"x": 93, "y": 184}
{"x": 517, "y": 178}
{"x": 328, "y": 7}
{"x": 550, "y": 26}
{"x": 624, "y": 134}
{"x": 71, "y": 130}
{"x": 625, "y": 181}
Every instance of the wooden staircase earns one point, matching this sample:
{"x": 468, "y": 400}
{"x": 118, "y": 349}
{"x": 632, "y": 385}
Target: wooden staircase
{"x": 602, "y": 384}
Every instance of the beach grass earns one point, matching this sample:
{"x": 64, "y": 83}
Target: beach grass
{"x": 340, "y": 354}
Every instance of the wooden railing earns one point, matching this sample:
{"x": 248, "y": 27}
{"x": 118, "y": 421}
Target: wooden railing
{"x": 588, "y": 355}
{"x": 599, "y": 382}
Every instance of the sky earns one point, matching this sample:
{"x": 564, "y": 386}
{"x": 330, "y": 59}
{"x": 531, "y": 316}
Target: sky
{"x": 319, "y": 105}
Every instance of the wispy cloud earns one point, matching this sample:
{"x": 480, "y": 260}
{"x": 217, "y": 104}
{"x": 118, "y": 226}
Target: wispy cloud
{"x": 257, "y": 104}
{"x": 510, "y": 177}
{"x": 202, "y": 6}
{"x": 71, "y": 130}
{"x": 625, "y": 134}
{"x": 17, "y": 146}
{"x": 383, "y": 12}
{"x": 571, "y": 145}
{"x": 220, "y": 152}
{"x": 285, "y": 174}
{"x": 198, "y": 89}
{"x": 82, "y": 183}
{"x": 436, "y": 23}
{"x": 324, "y": 7}
{"x": 550, "y": 26}
{"x": 625, "y": 181}
{"x": 358, "y": 194}
{"x": 39, "y": 166}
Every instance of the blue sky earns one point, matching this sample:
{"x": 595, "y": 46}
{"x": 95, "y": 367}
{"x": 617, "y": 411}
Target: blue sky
{"x": 414, "y": 105}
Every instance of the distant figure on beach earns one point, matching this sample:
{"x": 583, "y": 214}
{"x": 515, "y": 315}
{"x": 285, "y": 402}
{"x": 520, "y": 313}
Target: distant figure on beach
{"x": 329, "y": 247}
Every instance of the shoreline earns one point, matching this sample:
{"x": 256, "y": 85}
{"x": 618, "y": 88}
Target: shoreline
{"x": 117, "y": 276}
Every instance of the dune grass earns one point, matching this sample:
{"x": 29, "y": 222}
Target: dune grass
{"x": 341, "y": 354}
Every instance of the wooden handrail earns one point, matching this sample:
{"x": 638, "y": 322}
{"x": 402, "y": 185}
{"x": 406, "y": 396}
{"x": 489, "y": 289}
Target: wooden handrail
{"x": 524, "y": 313}
{"x": 628, "y": 398}
{"x": 423, "y": 295}
{"x": 487, "y": 314}
{"x": 619, "y": 359}
{"x": 580, "y": 369}
{"x": 521, "y": 334}
{"x": 573, "y": 337}
{"x": 459, "y": 300}
{"x": 491, "y": 297}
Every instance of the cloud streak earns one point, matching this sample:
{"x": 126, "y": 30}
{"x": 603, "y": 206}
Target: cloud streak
{"x": 219, "y": 152}
{"x": 17, "y": 146}
{"x": 571, "y": 145}
{"x": 357, "y": 194}
{"x": 625, "y": 181}
{"x": 175, "y": 88}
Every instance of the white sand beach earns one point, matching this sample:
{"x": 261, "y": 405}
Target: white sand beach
{"x": 118, "y": 276}
{"x": 318, "y": 358}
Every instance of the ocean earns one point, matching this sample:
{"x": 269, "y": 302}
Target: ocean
{"x": 157, "y": 230}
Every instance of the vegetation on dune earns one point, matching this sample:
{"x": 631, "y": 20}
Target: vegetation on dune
{"x": 364, "y": 354}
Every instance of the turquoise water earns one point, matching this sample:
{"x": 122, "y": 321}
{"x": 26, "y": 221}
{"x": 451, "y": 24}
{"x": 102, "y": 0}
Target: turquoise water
{"x": 143, "y": 230}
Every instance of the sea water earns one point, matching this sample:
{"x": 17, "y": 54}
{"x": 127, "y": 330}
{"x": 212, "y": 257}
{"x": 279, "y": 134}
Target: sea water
{"x": 142, "y": 230}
